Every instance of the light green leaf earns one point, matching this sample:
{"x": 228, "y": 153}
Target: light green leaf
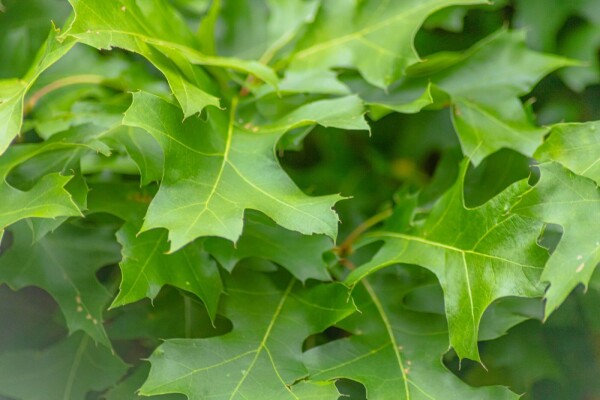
{"x": 155, "y": 30}
{"x": 486, "y": 110}
{"x": 261, "y": 358}
{"x": 405, "y": 96}
{"x": 450, "y": 19}
{"x": 478, "y": 255}
{"x": 215, "y": 170}
{"x": 300, "y": 254}
{"x": 12, "y": 92}
{"x": 375, "y": 37}
{"x": 576, "y": 146}
{"x": 67, "y": 370}
{"x": 573, "y": 202}
{"x": 38, "y": 168}
{"x": 47, "y": 199}
{"x": 395, "y": 352}
{"x": 64, "y": 263}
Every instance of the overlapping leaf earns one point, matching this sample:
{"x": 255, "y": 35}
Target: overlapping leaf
{"x": 300, "y": 254}
{"x": 573, "y": 202}
{"x": 155, "y": 30}
{"x": 478, "y": 255}
{"x": 12, "y": 92}
{"x": 146, "y": 265}
{"x": 46, "y": 196}
{"x": 374, "y": 37}
{"x": 215, "y": 170}
{"x": 260, "y": 29}
{"x": 394, "y": 351}
{"x": 486, "y": 110}
{"x": 64, "y": 264}
{"x": 67, "y": 370}
{"x": 262, "y": 356}
{"x": 546, "y": 21}
{"x": 576, "y": 146}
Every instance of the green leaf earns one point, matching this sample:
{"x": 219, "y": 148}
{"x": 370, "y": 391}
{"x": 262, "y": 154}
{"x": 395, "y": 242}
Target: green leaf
{"x": 24, "y": 27}
{"x": 47, "y": 199}
{"x": 172, "y": 314}
{"x": 394, "y": 351}
{"x": 158, "y": 33}
{"x": 127, "y": 389}
{"x": 262, "y": 356}
{"x": 146, "y": 264}
{"x": 573, "y": 202}
{"x": 12, "y": 92}
{"x": 374, "y": 37}
{"x": 39, "y": 167}
{"x": 300, "y": 254}
{"x": 258, "y": 30}
{"x": 215, "y": 170}
{"x": 583, "y": 44}
{"x": 404, "y": 96}
{"x": 68, "y": 370}
{"x": 545, "y": 18}
{"x": 146, "y": 268}
{"x": 486, "y": 112}
{"x": 472, "y": 252}
{"x": 144, "y": 150}
{"x": 64, "y": 263}
{"x": 576, "y": 146}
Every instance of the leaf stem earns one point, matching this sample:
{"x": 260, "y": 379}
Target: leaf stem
{"x": 345, "y": 249}
{"x": 58, "y": 84}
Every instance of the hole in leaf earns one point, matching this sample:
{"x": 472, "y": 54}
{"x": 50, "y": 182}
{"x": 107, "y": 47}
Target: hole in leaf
{"x": 6, "y": 241}
{"x": 426, "y": 299}
{"x": 351, "y": 390}
{"x": 493, "y": 175}
{"x": 550, "y": 237}
{"x": 328, "y": 335}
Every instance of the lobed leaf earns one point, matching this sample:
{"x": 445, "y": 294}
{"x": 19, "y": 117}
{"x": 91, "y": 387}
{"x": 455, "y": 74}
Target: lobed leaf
{"x": 68, "y": 370}
{"x": 394, "y": 351}
{"x": 573, "y": 202}
{"x": 478, "y": 255}
{"x": 215, "y": 170}
{"x": 262, "y": 356}
{"x": 64, "y": 264}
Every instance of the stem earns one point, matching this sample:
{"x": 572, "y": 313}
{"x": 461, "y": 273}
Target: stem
{"x": 61, "y": 83}
{"x": 264, "y": 59}
{"x": 345, "y": 248}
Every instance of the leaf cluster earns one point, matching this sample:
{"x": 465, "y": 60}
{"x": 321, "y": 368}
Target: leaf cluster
{"x": 299, "y": 199}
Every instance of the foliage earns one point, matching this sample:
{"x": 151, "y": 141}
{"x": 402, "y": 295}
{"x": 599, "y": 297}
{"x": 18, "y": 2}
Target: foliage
{"x": 300, "y": 199}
